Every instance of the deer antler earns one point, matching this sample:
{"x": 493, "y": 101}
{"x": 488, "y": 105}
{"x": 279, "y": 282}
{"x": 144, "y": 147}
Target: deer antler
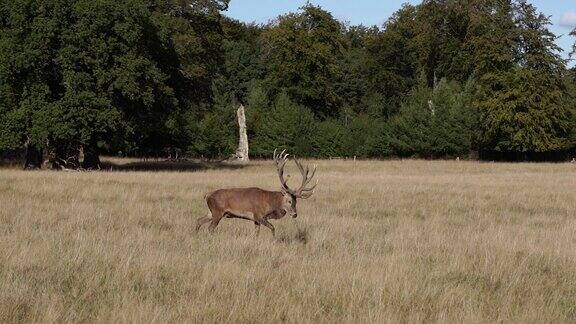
{"x": 280, "y": 160}
{"x": 305, "y": 192}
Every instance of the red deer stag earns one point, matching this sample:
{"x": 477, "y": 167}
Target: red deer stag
{"x": 259, "y": 205}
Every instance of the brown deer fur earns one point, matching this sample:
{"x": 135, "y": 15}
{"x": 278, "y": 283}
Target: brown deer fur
{"x": 255, "y": 204}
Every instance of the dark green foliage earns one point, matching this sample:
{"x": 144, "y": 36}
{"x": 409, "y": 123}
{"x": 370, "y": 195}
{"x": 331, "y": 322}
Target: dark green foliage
{"x": 329, "y": 139}
{"x": 241, "y": 59}
{"x": 392, "y": 67}
{"x": 522, "y": 95}
{"x": 438, "y": 79}
{"x": 360, "y": 136}
{"x": 356, "y": 64}
{"x": 435, "y": 122}
{"x": 215, "y": 135}
{"x": 285, "y": 125}
{"x": 520, "y": 112}
{"x": 79, "y": 72}
{"x": 366, "y": 137}
{"x": 301, "y": 53}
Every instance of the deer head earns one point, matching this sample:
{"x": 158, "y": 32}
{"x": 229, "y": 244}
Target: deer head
{"x": 291, "y": 195}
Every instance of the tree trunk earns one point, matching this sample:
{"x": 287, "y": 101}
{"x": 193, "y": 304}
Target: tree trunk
{"x": 242, "y": 151}
{"x": 63, "y": 155}
{"x": 33, "y": 157}
{"x": 91, "y": 157}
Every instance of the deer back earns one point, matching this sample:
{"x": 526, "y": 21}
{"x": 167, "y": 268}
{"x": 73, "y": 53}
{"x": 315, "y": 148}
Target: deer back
{"x": 253, "y": 200}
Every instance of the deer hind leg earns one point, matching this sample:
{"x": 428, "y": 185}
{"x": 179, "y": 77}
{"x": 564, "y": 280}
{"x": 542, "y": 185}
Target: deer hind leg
{"x": 214, "y": 213}
{"x": 227, "y": 213}
{"x": 217, "y": 214}
{"x": 214, "y": 222}
{"x": 201, "y": 221}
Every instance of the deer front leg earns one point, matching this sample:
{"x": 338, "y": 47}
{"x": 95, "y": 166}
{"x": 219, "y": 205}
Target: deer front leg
{"x": 263, "y": 221}
{"x": 275, "y": 215}
{"x": 257, "y": 226}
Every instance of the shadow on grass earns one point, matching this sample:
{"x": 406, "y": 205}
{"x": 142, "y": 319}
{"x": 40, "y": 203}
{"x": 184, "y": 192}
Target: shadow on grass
{"x": 301, "y": 235}
{"x": 10, "y": 164}
{"x": 167, "y": 165}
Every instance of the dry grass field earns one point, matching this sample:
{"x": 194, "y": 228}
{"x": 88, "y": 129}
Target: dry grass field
{"x": 397, "y": 241}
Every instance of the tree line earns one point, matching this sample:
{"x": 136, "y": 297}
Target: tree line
{"x": 445, "y": 78}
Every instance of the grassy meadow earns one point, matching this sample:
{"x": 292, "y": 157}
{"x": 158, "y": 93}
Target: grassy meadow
{"x": 393, "y": 241}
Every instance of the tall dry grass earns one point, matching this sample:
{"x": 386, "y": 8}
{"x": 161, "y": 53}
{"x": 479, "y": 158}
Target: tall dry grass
{"x": 380, "y": 241}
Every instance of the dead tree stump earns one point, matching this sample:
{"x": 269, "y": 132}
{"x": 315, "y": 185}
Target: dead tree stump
{"x": 242, "y": 151}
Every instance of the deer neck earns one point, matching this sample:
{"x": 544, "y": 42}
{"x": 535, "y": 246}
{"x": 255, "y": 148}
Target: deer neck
{"x": 279, "y": 202}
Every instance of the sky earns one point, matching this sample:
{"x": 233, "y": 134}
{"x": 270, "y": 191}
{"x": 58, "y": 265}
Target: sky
{"x": 376, "y": 12}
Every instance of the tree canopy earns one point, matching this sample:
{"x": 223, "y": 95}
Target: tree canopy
{"x": 443, "y": 78}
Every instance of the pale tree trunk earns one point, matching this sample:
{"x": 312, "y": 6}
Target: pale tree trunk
{"x": 242, "y": 151}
